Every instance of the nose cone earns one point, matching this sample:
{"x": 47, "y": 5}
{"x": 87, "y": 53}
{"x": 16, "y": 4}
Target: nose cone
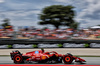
{"x": 79, "y": 60}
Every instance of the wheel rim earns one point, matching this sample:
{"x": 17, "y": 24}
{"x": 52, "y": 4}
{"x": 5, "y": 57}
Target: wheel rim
{"x": 67, "y": 59}
{"x": 17, "y": 58}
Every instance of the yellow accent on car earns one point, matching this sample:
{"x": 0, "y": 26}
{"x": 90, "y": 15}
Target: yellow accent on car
{"x": 57, "y": 55}
{"x": 48, "y": 56}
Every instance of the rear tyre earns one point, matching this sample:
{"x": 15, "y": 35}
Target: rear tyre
{"x": 18, "y": 59}
{"x": 68, "y": 59}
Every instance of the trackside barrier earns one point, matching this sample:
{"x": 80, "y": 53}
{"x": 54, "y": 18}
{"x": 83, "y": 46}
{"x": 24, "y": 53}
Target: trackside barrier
{"x": 50, "y": 45}
{"x": 25, "y": 44}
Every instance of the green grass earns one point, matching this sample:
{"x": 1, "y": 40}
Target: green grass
{"x": 4, "y": 55}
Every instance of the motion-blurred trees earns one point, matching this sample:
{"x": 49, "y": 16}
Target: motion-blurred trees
{"x": 58, "y": 15}
{"x": 74, "y": 25}
{"x": 6, "y": 22}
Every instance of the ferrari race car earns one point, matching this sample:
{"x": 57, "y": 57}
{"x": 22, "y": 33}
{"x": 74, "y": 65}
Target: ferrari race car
{"x": 43, "y": 57}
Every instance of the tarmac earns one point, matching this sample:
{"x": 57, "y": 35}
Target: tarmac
{"x": 74, "y": 51}
{"x": 89, "y": 61}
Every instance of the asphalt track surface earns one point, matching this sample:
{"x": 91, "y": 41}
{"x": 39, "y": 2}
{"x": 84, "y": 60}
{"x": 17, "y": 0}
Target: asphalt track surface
{"x": 90, "y": 61}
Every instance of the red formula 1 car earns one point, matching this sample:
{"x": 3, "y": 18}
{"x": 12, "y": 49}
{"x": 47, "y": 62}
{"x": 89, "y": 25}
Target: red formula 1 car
{"x": 43, "y": 57}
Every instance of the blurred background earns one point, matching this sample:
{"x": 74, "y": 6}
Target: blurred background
{"x": 49, "y": 19}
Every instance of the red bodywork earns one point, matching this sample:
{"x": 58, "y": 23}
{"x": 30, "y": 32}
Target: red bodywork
{"x": 41, "y": 56}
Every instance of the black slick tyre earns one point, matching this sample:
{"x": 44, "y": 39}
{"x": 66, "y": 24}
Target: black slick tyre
{"x": 68, "y": 59}
{"x": 18, "y": 59}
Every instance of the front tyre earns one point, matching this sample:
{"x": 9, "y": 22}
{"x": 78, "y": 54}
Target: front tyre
{"x": 68, "y": 59}
{"x": 18, "y": 59}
